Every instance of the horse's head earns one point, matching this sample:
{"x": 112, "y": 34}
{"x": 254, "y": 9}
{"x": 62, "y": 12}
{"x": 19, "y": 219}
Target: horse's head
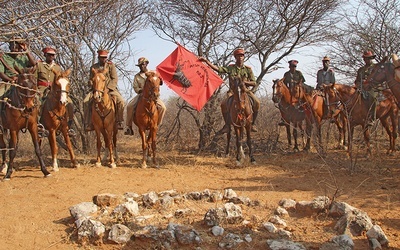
{"x": 60, "y": 86}
{"x": 27, "y": 87}
{"x": 381, "y": 72}
{"x": 297, "y": 90}
{"x": 99, "y": 84}
{"x": 151, "y": 88}
{"x": 279, "y": 89}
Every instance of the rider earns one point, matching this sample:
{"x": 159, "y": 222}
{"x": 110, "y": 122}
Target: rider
{"x": 138, "y": 83}
{"x": 111, "y": 83}
{"x": 246, "y": 73}
{"x": 326, "y": 75}
{"x": 20, "y": 57}
{"x": 45, "y": 77}
{"x": 367, "y": 92}
{"x": 290, "y": 78}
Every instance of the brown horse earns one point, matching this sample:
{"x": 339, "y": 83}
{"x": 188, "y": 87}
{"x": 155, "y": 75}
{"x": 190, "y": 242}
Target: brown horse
{"x": 292, "y": 113}
{"x": 103, "y": 116}
{"x": 146, "y": 115}
{"x": 20, "y": 112}
{"x": 241, "y": 117}
{"x": 53, "y": 116}
{"x": 315, "y": 101}
{"x": 385, "y": 72}
{"x": 356, "y": 110}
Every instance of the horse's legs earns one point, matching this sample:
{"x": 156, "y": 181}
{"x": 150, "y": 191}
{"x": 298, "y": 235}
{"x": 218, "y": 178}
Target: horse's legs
{"x": 54, "y": 149}
{"x": 153, "y": 140}
{"x": 288, "y": 135}
{"x": 67, "y": 140}
{"x": 386, "y": 125}
{"x": 367, "y": 141}
{"x": 108, "y": 141}
{"x": 249, "y": 144}
{"x": 3, "y": 167}
{"x": 98, "y": 145}
{"x": 142, "y": 133}
{"x": 308, "y": 135}
{"x": 35, "y": 139}
{"x": 239, "y": 148}
{"x": 228, "y": 141}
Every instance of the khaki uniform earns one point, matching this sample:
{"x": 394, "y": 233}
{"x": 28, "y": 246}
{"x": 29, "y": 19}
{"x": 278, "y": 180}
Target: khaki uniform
{"x": 138, "y": 84}
{"x": 7, "y": 64}
{"x": 362, "y": 74}
{"x": 246, "y": 74}
{"x": 45, "y": 78}
{"x": 325, "y": 77}
{"x": 291, "y": 78}
{"x": 112, "y": 85}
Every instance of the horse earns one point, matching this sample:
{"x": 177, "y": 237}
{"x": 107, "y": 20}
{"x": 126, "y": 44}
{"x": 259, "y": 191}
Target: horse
{"x": 146, "y": 115}
{"x": 53, "y": 116}
{"x": 20, "y": 113}
{"x": 357, "y": 112}
{"x": 291, "y": 113}
{"x": 386, "y": 72}
{"x": 315, "y": 101}
{"x": 241, "y": 117}
{"x": 103, "y": 116}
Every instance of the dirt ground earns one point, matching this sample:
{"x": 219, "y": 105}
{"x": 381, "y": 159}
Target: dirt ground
{"x": 35, "y": 210}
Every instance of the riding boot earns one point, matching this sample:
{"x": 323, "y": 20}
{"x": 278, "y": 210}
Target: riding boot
{"x": 87, "y": 113}
{"x": 372, "y": 114}
{"x": 120, "y": 116}
{"x": 253, "y": 126}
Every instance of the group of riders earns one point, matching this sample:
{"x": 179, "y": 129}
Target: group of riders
{"x": 19, "y": 56}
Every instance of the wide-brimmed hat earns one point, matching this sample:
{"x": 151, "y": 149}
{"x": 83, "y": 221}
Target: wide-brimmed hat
{"x": 238, "y": 51}
{"x": 102, "y": 53}
{"x": 142, "y": 60}
{"x": 326, "y": 58}
{"x": 368, "y": 54}
{"x": 49, "y": 50}
{"x": 293, "y": 63}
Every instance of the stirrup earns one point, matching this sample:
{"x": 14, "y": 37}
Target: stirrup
{"x": 71, "y": 132}
{"x": 42, "y": 132}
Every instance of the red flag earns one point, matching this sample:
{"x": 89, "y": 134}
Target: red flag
{"x": 191, "y": 79}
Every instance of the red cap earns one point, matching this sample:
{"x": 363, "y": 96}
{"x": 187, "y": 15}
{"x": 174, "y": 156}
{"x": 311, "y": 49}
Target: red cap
{"x": 238, "y": 51}
{"x": 49, "y": 50}
{"x": 368, "y": 54}
{"x": 102, "y": 53}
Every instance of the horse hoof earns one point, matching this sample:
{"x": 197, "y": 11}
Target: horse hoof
{"x": 238, "y": 163}
{"x": 77, "y": 165}
{"x": 113, "y": 165}
{"x": 47, "y": 175}
{"x": 144, "y": 166}
{"x": 6, "y": 179}
{"x": 56, "y": 169}
{"x": 98, "y": 164}
{"x": 254, "y": 162}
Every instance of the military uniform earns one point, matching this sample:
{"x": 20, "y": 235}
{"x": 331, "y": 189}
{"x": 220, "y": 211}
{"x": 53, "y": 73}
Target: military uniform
{"x": 369, "y": 94}
{"x": 291, "y": 78}
{"x": 325, "y": 77}
{"x": 111, "y": 84}
{"x": 246, "y": 74}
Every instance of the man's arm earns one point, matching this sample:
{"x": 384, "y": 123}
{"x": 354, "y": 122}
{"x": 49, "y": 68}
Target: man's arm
{"x": 214, "y": 67}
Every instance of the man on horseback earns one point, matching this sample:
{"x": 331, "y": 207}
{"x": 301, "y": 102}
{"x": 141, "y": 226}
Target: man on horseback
{"x": 20, "y": 57}
{"x": 112, "y": 82}
{"x": 46, "y": 72}
{"x": 138, "y": 83}
{"x": 290, "y": 78}
{"x": 368, "y": 93}
{"x": 246, "y": 73}
{"x": 326, "y": 75}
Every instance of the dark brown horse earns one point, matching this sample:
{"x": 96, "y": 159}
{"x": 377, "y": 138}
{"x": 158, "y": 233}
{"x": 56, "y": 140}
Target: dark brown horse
{"x": 146, "y": 116}
{"x": 241, "y": 117}
{"x": 385, "y": 72}
{"x": 315, "y": 101}
{"x": 103, "y": 116}
{"x": 357, "y": 111}
{"x": 20, "y": 113}
{"x": 53, "y": 116}
{"x": 292, "y": 113}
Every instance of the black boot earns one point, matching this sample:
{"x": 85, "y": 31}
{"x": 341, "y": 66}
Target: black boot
{"x": 225, "y": 129}
{"x": 253, "y": 126}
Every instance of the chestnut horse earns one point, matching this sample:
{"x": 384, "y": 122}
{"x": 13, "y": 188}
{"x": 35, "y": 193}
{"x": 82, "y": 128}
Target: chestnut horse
{"x": 356, "y": 109}
{"x": 291, "y": 113}
{"x": 146, "y": 115}
{"x": 20, "y": 112}
{"x": 321, "y": 112}
{"x": 103, "y": 116}
{"x": 241, "y": 117}
{"x": 53, "y": 116}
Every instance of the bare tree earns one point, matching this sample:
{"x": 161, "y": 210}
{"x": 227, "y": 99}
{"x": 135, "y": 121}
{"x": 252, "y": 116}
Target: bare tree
{"x": 267, "y": 29}
{"x": 365, "y": 25}
{"x": 77, "y": 29}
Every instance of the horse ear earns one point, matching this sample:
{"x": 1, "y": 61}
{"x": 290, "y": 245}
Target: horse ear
{"x": 67, "y": 72}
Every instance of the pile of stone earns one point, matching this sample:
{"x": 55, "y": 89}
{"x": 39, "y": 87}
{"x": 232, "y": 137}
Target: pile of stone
{"x": 121, "y": 219}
